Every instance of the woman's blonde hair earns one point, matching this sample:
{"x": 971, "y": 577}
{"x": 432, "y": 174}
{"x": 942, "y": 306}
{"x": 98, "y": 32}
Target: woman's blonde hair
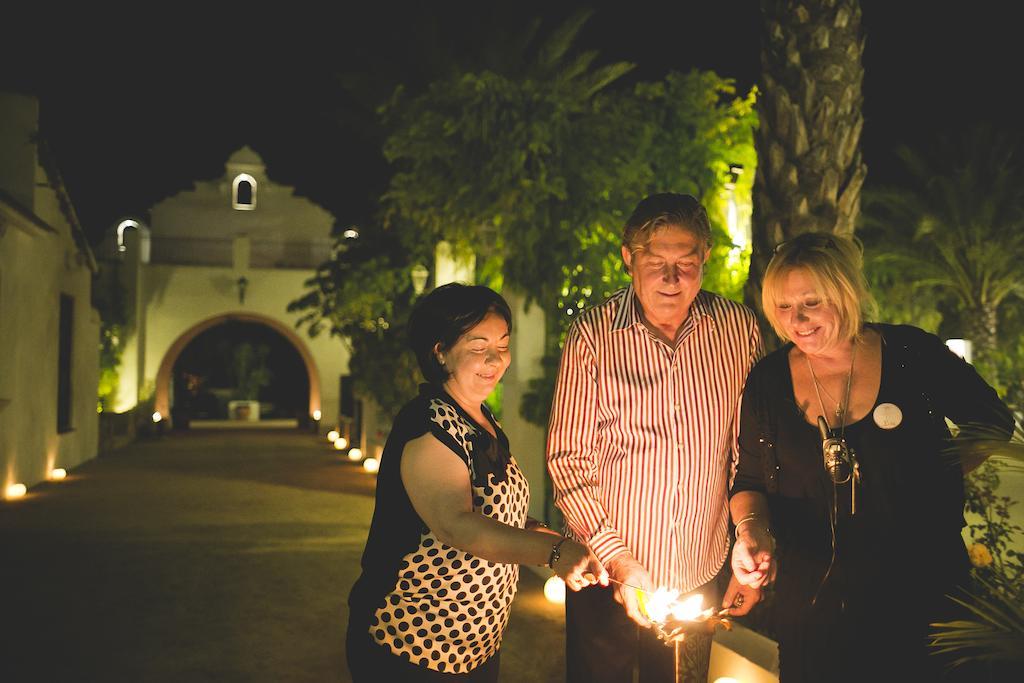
{"x": 835, "y": 265}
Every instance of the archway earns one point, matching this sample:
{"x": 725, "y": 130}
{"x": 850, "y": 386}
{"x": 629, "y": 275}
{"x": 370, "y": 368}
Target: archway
{"x": 162, "y": 398}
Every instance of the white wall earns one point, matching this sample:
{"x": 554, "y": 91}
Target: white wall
{"x": 39, "y": 261}
{"x": 527, "y": 441}
{"x": 177, "y": 298}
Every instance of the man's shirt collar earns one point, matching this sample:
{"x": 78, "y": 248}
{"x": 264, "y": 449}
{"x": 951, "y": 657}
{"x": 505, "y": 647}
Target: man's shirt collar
{"x": 629, "y": 315}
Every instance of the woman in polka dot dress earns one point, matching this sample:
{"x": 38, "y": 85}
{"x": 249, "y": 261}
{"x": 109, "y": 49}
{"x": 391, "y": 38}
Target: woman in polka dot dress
{"x": 450, "y": 527}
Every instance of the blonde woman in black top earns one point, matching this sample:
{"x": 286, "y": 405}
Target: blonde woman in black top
{"x": 846, "y": 490}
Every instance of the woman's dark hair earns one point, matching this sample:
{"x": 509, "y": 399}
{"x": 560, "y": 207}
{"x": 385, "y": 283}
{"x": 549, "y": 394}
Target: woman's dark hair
{"x": 444, "y": 315}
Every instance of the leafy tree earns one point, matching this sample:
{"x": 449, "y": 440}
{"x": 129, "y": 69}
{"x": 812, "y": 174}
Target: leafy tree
{"x": 956, "y": 231}
{"x": 364, "y": 295}
{"x": 533, "y": 166}
{"x": 810, "y": 172}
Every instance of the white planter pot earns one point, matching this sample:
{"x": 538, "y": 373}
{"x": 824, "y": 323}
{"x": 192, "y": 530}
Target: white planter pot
{"x": 247, "y": 411}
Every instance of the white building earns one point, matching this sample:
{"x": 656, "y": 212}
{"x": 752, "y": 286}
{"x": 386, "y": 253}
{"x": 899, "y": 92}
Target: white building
{"x": 236, "y": 248}
{"x": 49, "y": 330}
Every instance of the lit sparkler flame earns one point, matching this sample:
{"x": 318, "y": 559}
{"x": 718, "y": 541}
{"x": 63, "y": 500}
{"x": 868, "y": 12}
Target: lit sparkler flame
{"x": 665, "y": 602}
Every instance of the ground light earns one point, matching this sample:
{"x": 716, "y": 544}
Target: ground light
{"x": 355, "y": 454}
{"x": 727, "y": 679}
{"x": 317, "y": 415}
{"x": 58, "y": 473}
{"x": 16, "y": 491}
{"x": 333, "y": 435}
{"x": 341, "y": 443}
{"x": 554, "y": 590}
{"x": 371, "y": 465}
{"x": 157, "y": 416}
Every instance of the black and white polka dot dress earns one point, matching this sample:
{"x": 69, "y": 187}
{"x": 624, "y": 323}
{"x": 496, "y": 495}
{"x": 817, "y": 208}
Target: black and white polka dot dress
{"x": 424, "y": 601}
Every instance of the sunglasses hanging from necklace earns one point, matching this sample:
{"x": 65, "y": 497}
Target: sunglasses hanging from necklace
{"x": 840, "y": 460}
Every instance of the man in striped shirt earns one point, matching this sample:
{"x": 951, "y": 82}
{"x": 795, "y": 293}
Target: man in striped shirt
{"x": 640, "y": 441}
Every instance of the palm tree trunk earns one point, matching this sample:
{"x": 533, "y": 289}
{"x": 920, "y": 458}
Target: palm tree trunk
{"x": 982, "y": 327}
{"x": 810, "y": 171}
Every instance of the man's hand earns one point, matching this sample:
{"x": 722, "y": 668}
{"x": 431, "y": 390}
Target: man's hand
{"x": 740, "y": 599}
{"x": 624, "y": 569}
{"x": 753, "y": 556}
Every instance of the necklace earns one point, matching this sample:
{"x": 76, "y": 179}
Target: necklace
{"x": 841, "y": 406}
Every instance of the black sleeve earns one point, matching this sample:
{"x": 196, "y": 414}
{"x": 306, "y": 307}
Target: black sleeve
{"x": 959, "y": 392}
{"x": 752, "y": 443}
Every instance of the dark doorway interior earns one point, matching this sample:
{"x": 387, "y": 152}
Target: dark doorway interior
{"x": 239, "y": 360}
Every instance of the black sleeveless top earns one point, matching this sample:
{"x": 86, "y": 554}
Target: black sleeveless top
{"x": 422, "y": 600}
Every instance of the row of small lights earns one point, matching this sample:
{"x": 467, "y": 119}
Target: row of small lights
{"x": 371, "y": 465}
{"x": 19, "y": 490}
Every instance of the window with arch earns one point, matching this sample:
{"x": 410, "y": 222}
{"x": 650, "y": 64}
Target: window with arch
{"x": 243, "y": 192}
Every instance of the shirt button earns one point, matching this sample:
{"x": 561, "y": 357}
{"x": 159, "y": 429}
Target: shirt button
{"x": 677, "y": 406}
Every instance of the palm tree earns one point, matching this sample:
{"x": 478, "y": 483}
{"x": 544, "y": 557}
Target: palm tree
{"x": 810, "y": 171}
{"x": 958, "y": 230}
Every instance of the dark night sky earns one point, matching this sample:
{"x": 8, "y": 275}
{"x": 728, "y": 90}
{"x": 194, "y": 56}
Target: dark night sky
{"x": 139, "y": 107}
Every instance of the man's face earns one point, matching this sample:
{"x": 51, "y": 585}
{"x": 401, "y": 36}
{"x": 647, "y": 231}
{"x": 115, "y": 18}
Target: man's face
{"x": 667, "y": 274}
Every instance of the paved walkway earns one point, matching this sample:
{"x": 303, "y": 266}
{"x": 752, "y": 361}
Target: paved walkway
{"x": 205, "y": 556}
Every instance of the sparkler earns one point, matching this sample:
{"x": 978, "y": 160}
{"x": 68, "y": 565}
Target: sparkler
{"x": 673, "y": 618}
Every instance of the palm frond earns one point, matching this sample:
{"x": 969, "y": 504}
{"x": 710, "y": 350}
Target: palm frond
{"x": 981, "y": 440}
{"x": 996, "y": 633}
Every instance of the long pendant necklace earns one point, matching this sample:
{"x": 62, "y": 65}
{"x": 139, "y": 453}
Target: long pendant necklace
{"x": 841, "y": 406}
{"x": 841, "y": 411}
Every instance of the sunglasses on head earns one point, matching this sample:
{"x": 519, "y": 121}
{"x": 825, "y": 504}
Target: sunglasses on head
{"x": 816, "y": 239}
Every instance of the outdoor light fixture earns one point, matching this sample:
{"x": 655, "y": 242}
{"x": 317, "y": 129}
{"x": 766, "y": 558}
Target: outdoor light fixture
{"x": 356, "y": 454}
{"x": 316, "y": 415}
{"x": 351, "y": 233}
{"x": 419, "y": 274}
{"x": 333, "y": 435}
{"x": 16, "y": 491}
{"x": 243, "y": 283}
{"x": 121, "y": 227}
{"x": 554, "y": 590}
{"x": 727, "y": 679}
{"x": 340, "y": 444}
{"x": 735, "y": 170}
{"x": 961, "y": 347}
{"x": 58, "y": 473}
{"x": 371, "y": 465}
{"x": 157, "y": 416}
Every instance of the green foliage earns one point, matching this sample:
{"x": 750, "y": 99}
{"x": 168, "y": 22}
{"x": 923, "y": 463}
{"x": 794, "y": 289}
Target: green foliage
{"x": 995, "y": 531}
{"x": 249, "y": 370}
{"x": 364, "y": 295}
{"x": 108, "y": 297}
{"x": 956, "y": 231}
{"x": 995, "y": 634}
{"x": 534, "y": 163}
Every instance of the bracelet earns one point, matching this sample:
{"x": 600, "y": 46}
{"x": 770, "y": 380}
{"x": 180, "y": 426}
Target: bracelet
{"x": 556, "y": 552}
{"x": 749, "y": 518}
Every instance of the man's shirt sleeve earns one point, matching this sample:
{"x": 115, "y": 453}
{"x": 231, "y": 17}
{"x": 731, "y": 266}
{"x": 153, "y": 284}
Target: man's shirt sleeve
{"x": 573, "y": 437}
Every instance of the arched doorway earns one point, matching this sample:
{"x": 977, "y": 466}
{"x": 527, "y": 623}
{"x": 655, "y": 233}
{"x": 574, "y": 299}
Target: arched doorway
{"x": 200, "y": 372}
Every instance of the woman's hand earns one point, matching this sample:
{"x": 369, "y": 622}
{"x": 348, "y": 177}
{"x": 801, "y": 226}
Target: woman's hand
{"x": 578, "y": 567}
{"x": 740, "y": 599}
{"x": 753, "y": 555}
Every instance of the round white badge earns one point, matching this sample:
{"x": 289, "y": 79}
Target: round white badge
{"x": 888, "y": 415}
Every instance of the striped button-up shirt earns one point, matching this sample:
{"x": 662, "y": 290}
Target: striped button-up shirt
{"x": 641, "y": 440}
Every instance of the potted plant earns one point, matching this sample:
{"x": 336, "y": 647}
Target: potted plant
{"x": 250, "y": 373}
